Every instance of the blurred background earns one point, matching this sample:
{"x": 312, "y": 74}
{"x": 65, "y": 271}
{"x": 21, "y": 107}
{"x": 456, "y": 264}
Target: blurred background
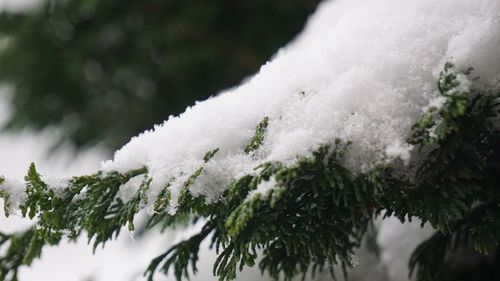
{"x": 78, "y": 78}
{"x": 103, "y": 71}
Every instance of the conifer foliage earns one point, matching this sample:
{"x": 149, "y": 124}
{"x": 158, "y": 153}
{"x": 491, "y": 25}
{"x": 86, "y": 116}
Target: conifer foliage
{"x": 301, "y": 217}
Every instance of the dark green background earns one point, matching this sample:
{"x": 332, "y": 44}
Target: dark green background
{"x": 105, "y": 70}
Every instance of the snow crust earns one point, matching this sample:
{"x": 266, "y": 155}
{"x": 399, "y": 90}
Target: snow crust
{"x": 362, "y": 70}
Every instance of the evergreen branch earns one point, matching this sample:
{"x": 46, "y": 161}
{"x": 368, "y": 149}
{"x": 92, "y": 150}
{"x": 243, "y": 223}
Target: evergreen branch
{"x": 98, "y": 212}
{"x": 180, "y": 256}
{"x": 307, "y": 215}
{"x": 258, "y": 137}
{"x": 6, "y": 198}
{"x": 20, "y": 250}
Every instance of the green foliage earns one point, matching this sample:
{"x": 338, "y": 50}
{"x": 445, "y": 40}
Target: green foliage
{"x": 39, "y": 197}
{"x": 15, "y": 254}
{"x": 456, "y": 187}
{"x": 258, "y": 138}
{"x": 62, "y": 214}
{"x": 316, "y": 212}
{"x": 132, "y": 207}
{"x": 180, "y": 256}
{"x": 187, "y": 202}
{"x": 287, "y": 224}
{"x": 98, "y": 212}
{"x": 5, "y": 196}
{"x": 107, "y": 70}
{"x": 282, "y": 223}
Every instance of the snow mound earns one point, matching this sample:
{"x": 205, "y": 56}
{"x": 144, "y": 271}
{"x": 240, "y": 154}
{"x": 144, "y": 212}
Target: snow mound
{"x": 362, "y": 70}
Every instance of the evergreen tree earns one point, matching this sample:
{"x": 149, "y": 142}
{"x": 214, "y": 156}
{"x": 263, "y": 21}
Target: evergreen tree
{"x": 299, "y": 216}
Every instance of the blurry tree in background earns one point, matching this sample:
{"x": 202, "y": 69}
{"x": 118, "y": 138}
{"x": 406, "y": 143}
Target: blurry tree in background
{"x": 105, "y": 70}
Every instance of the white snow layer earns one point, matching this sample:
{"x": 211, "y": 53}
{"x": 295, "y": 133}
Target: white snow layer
{"x": 363, "y": 70}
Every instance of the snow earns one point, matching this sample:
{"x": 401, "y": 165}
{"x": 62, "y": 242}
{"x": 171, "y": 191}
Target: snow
{"x": 123, "y": 259}
{"x": 19, "y": 6}
{"x": 263, "y": 189}
{"x": 362, "y": 70}
{"x": 12, "y": 187}
{"x": 400, "y": 150}
{"x": 397, "y": 241}
{"x": 367, "y": 70}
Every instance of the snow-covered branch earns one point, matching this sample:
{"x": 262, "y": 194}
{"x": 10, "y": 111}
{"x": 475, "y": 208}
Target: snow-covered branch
{"x": 362, "y": 113}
